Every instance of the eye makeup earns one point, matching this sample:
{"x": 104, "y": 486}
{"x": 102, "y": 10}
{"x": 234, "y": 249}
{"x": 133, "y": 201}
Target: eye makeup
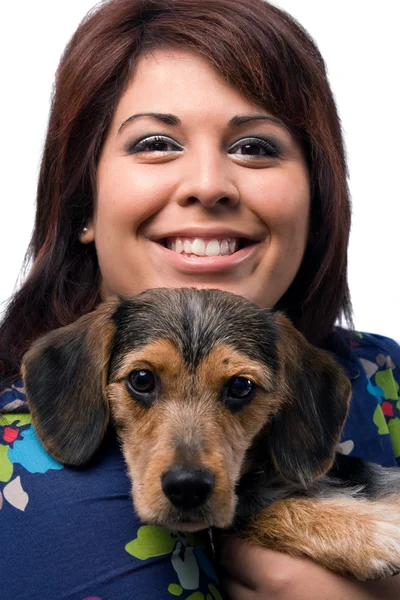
{"x": 270, "y": 146}
{"x": 256, "y": 147}
{"x": 143, "y": 144}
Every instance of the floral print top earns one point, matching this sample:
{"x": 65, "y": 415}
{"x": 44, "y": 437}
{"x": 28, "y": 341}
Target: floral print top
{"x": 71, "y": 533}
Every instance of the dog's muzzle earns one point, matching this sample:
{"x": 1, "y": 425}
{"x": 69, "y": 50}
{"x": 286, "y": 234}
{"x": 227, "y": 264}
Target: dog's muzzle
{"x": 187, "y": 488}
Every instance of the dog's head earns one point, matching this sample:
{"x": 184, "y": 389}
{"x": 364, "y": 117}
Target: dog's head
{"x": 190, "y": 378}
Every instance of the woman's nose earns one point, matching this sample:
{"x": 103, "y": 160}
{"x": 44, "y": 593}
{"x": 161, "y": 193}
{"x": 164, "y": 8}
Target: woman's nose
{"x": 208, "y": 181}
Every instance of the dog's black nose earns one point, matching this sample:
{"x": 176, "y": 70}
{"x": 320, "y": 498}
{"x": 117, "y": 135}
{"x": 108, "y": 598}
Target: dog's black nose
{"x": 187, "y": 488}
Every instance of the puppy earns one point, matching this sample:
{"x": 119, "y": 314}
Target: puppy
{"x": 228, "y": 418}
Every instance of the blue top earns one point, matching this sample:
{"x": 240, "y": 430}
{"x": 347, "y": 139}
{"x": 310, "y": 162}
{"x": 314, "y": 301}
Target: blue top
{"x": 71, "y": 533}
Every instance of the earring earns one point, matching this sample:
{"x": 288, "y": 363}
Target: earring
{"x": 84, "y": 230}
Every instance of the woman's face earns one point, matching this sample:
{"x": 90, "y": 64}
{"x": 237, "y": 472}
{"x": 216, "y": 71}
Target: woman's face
{"x": 197, "y": 187}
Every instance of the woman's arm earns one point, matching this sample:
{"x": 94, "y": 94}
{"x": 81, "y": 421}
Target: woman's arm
{"x": 254, "y": 573}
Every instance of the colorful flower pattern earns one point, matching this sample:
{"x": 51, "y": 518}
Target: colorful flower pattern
{"x": 375, "y": 413}
{"x": 188, "y": 560}
{"x": 19, "y": 445}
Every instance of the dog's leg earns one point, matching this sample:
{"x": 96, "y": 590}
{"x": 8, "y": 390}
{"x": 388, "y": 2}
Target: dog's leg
{"x": 348, "y": 535}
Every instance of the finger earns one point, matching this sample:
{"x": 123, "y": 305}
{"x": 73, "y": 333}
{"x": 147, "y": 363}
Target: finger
{"x": 241, "y": 561}
{"x": 234, "y": 590}
{"x": 261, "y": 568}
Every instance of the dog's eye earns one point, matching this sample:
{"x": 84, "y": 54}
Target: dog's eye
{"x": 142, "y": 381}
{"x": 141, "y": 384}
{"x": 240, "y": 387}
{"x": 238, "y": 392}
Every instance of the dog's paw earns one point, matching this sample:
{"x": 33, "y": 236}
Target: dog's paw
{"x": 383, "y": 556}
{"x": 352, "y": 536}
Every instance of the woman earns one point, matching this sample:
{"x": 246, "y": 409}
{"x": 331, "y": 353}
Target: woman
{"x": 189, "y": 144}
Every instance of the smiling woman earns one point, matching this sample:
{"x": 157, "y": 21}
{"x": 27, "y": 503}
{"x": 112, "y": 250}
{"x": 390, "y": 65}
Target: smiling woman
{"x": 197, "y": 188}
{"x": 234, "y": 50}
{"x": 190, "y": 144}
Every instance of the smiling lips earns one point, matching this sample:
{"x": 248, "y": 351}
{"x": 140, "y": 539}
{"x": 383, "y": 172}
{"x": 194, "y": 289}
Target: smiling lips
{"x": 203, "y": 247}
{"x": 201, "y": 252}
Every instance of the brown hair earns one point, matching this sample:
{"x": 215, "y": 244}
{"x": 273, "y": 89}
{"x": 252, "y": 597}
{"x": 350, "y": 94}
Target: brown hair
{"x": 258, "y": 49}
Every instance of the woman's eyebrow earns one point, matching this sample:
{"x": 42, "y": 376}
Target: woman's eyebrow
{"x": 239, "y": 120}
{"x": 164, "y": 118}
{"x": 169, "y": 119}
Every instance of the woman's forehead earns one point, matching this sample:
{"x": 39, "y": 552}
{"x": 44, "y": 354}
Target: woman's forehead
{"x": 183, "y": 84}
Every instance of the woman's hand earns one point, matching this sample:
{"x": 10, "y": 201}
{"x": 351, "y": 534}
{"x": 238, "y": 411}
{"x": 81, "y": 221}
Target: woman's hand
{"x": 253, "y": 573}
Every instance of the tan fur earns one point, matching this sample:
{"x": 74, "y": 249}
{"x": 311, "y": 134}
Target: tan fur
{"x": 188, "y": 425}
{"x": 348, "y": 535}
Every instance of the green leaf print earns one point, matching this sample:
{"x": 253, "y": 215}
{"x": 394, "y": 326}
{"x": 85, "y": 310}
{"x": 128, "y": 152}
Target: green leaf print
{"x": 6, "y": 466}
{"x": 380, "y": 421}
{"x": 394, "y": 429}
{"x": 387, "y": 382}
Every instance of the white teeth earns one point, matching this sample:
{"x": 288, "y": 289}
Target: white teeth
{"x": 198, "y": 247}
{"x": 203, "y": 247}
{"x": 213, "y": 248}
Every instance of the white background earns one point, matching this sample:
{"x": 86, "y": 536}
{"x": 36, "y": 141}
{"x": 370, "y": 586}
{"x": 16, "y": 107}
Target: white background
{"x": 360, "y": 43}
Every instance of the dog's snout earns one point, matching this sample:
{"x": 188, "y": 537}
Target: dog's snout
{"x": 187, "y": 488}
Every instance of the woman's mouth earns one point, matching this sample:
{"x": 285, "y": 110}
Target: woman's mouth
{"x": 206, "y": 255}
{"x": 211, "y": 247}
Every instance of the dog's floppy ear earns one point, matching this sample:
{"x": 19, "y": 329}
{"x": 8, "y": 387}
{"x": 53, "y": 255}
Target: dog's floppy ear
{"x": 315, "y": 398}
{"x": 65, "y": 374}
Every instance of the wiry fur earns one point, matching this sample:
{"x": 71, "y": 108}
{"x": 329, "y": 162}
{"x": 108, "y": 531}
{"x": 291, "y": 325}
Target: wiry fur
{"x": 278, "y": 481}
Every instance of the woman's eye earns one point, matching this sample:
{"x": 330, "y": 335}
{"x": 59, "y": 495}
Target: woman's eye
{"x": 152, "y": 144}
{"x": 257, "y": 147}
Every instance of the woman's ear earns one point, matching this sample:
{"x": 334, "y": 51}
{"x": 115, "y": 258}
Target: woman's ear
{"x": 315, "y": 396}
{"x": 65, "y": 376}
{"x": 86, "y": 235}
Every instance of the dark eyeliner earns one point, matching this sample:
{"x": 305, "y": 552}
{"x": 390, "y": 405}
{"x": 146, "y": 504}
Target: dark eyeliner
{"x": 150, "y": 138}
{"x": 270, "y": 143}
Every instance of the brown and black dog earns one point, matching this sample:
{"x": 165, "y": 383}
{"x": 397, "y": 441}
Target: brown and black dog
{"x": 228, "y": 418}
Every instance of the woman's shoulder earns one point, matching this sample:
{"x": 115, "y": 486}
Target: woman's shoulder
{"x": 372, "y": 362}
{"x": 364, "y": 343}
{"x": 373, "y": 353}
{"x": 354, "y": 347}
{"x": 363, "y": 339}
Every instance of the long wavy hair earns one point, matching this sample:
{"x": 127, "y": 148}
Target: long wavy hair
{"x": 257, "y": 48}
